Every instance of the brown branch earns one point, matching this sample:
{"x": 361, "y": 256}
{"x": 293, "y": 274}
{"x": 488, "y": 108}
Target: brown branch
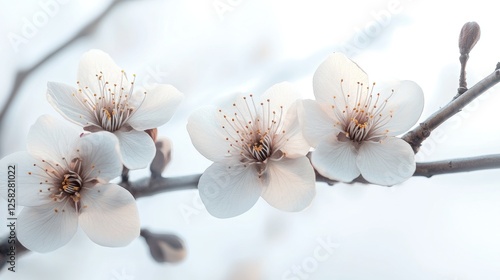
{"x": 416, "y": 136}
{"x": 148, "y": 187}
{"x": 151, "y": 186}
{"x": 22, "y": 74}
{"x": 429, "y": 169}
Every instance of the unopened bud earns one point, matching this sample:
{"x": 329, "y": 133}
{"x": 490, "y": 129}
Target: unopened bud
{"x": 162, "y": 157}
{"x": 164, "y": 248}
{"x": 470, "y": 34}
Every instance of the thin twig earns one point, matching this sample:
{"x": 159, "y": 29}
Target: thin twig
{"x": 429, "y": 169}
{"x": 152, "y": 186}
{"x": 416, "y": 136}
{"x": 462, "y": 84}
{"x": 22, "y": 74}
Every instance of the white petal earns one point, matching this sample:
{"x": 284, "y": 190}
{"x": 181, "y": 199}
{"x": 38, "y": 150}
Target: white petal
{"x": 100, "y": 156}
{"x": 281, "y": 94}
{"x": 207, "y": 134}
{"x": 388, "y": 162}
{"x": 109, "y": 215}
{"x": 294, "y": 144}
{"x": 405, "y": 106}
{"x": 67, "y": 101}
{"x": 328, "y": 76}
{"x": 157, "y": 108}
{"x": 95, "y": 63}
{"x": 48, "y": 227}
{"x": 292, "y": 184}
{"x": 51, "y": 139}
{"x": 136, "y": 148}
{"x": 316, "y": 123}
{"x": 335, "y": 159}
{"x": 229, "y": 191}
{"x": 30, "y": 184}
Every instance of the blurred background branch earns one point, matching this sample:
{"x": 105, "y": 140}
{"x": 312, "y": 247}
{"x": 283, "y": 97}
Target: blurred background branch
{"x": 23, "y": 74}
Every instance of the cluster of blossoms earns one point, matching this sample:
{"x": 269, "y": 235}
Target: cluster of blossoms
{"x": 259, "y": 146}
{"x": 63, "y": 179}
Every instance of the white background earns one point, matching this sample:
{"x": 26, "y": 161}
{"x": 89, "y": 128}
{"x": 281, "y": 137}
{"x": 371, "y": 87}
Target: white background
{"x": 443, "y": 228}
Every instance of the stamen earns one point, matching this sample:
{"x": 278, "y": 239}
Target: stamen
{"x": 110, "y": 106}
{"x": 362, "y": 122}
{"x": 254, "y": 139}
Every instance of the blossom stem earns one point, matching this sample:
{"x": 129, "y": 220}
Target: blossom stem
{"x": 416, "y": 136}
{"x": 462, "y": 87}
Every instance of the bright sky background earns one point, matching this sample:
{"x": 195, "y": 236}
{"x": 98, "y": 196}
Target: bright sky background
{"x": 443, "y": 228}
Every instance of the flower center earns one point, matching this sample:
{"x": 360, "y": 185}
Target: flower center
{"x": 261, "y": 148}
{"x": 357, "y": 131}
{"x": 254, "y": 131}
{"x": 64, "y": 181}
{"x": 361, "y": 114}
{"x": 110, "y": 105}
{"x": 71, "y": 183}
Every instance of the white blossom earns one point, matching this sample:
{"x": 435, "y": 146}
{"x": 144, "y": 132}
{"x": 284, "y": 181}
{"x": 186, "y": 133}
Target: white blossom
{"x": 258, "y": 150}
{"x": 105, "y": 100}
{"x": 352, "y": 124}
{"x": 63, "y": 181}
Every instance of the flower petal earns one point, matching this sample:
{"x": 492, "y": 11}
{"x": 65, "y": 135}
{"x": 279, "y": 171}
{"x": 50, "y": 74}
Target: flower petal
{"x": 335, "y": 159}
{"x": 280, "y": 95}
{"x": 157, "y": 107}
{"x": 316, "y": 123}
{"x": 292, "y": 184}
{"x": 327, "y": 80}
{"x": 109, "y": 215}
{"x": 51, "y": 139}
{"x": 405, "y": 106}
{"x": 136, "y": 148}
{"x": 97, "y": 67}
{"x": 229, "y": 191}
{"x": 293, "y": 143}
{"x": 207, "y": 134}
{"x": 100, "y": 156}
{"x": 387, "y": 162}
{"x": 66, "y": 100}
{"x": 30, "y": 183}
{"x": 46, "y": 228}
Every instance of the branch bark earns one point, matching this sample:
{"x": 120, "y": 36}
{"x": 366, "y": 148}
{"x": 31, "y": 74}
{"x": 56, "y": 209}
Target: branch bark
{"x": 429, "y": 169}
{"x": 151, "y": 186}
{"x": 416, "y": 136}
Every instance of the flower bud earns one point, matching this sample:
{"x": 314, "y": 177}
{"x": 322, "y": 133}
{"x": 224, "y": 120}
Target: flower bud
{"x": 164, "y": 247}
{"x": 470, "y": 34}
{"x": 162, "y": 157}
